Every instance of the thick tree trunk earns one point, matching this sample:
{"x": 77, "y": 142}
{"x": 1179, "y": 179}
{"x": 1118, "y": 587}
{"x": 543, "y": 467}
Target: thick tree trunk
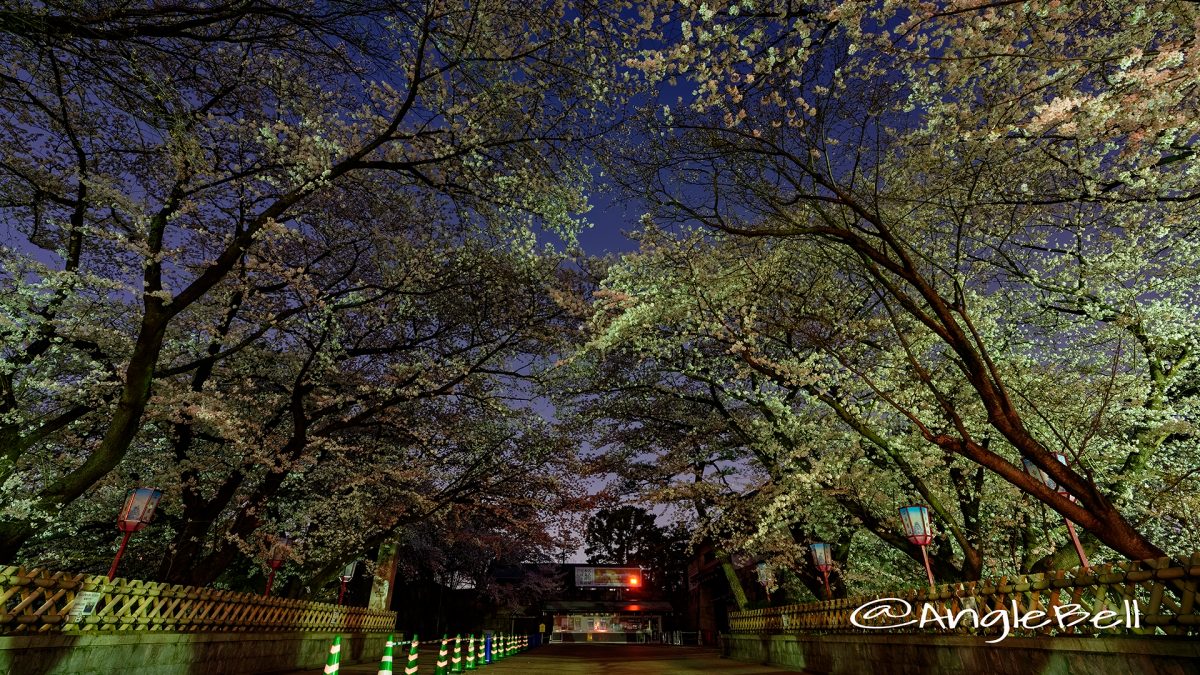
{"x": 735, "y": 583}
{"x": 126, "y": 421}
{"x": 190, "y": 540}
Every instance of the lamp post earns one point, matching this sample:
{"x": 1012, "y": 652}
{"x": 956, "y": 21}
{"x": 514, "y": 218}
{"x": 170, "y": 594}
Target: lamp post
{"x": 347, "y": 575}
{"x": 919, "y": 532}
{"x": 1033, "y": 470}
{"x": 136, "y": 514}
{"x": 279, "y": 548}
{"x": 823, "y": 559}
{"x": 766, "y": 577}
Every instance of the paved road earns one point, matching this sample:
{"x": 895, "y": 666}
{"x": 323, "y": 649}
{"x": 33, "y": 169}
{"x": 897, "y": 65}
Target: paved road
{"x": 598, "y": 660}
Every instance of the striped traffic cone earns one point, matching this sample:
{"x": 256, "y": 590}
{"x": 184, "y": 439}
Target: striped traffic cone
{"x": 471, "y": 652}
{"x": 335, "y": 655}
{"x": 497, "y": 652}
{"x": 411, "y": 669}
{"x": 443, "y": 657}
{"x": 456, "y": 664}
{"x": 481, "y": 656}
{"x": 385, "y": 663}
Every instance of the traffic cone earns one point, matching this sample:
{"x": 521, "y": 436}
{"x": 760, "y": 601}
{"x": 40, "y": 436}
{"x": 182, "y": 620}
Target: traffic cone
{"x": 481, "y": 656}
{"x": 385, "y": 663}
{"x": 443, "y": 659}
{"x": 471, "y": 652}
{"x": 456, "y": 664}
{"x": 335, "y": 655}
{"x": 411, "y": 668}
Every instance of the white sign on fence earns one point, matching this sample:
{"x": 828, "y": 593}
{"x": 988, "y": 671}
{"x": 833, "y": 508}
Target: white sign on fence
{"x": 85, "y": 603}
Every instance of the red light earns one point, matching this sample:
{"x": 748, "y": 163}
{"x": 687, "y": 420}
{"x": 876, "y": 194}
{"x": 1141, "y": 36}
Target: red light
{"x": 634, "y": 581}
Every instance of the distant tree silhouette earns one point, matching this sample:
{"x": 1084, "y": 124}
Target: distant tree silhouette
{"x": 629, "y": 535}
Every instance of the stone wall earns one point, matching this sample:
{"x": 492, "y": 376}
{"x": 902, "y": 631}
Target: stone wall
{"x": 162, "y": 653}
{"x": 953, "y": 655}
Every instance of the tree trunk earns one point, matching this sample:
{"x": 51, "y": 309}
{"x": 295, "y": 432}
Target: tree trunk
{"x": 127, "y": 417}
{"x": 735, "y": 583}
{"x": 199, "y": 514}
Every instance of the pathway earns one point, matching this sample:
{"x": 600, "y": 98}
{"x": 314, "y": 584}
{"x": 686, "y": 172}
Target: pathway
{"x": 577, "y": 659}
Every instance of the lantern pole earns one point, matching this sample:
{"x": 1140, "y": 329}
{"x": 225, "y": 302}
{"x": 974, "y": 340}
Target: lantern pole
{"x": 270, "y": 582}
{"x": 112, "y": 571}
{"x": 1033, "y": 470}
{"x": 1078, "y": 547}
{"x": 274, "y": 564}
{"x": 928, "y": 569}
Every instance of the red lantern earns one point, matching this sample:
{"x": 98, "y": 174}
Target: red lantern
{"x": 766, "y": 577}
{"x": 279, "y": 549}
{"x": 823, "y": 559}
{"x": 136, "y": 514}
{"x": 347, "y": 575}
{"x": 918, "y": 530}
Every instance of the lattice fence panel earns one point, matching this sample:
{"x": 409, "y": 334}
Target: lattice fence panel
{"x": 1163, "y": 591}
{"x": 38, "y": 600}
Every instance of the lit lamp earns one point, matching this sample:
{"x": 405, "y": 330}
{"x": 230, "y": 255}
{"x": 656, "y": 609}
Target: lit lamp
{"x": 347, "y": 575}
{"x": 823, "y": 559}
{"x": 278, "y": 550}
{"x": 766, "y": 577}
{"x": 1033, "y": 470}
{"x": 919, "y": 532}
{"x": 136, "y": 514}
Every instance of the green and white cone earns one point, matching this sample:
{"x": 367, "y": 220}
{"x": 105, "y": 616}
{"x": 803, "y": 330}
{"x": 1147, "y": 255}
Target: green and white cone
{"x": 335, "y": 655}
{"x": 481, "y": 655}
{"x": 385, "y": 663}
{"x": 456, "y": 664}
{"x": 471, "y": 652}
{"x": 411, "y": 668}
{"x": 443, "y": 659}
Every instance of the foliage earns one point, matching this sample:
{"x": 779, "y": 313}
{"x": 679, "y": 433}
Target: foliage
{"x": 899, "y": 248}
{"x": 281, "y": 260}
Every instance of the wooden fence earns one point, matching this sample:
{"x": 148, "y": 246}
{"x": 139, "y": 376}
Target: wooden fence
{"x": 40, "y": 601}
{"x": 1159, "y": 596}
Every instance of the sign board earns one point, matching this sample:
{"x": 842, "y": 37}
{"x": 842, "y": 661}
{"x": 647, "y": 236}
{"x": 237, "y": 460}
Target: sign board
{"x": 84, "y": 605}
{"x": 608, "y": 577}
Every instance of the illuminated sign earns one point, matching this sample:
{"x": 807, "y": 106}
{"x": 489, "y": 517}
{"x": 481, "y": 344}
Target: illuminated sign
{"x": 608, "y": 577}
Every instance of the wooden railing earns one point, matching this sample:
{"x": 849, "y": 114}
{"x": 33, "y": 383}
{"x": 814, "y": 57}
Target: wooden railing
{"x": 1160, "y": 596}
{"x": 38, "y": 601}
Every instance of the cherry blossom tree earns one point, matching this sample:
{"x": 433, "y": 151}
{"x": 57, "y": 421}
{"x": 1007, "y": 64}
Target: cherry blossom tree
{"x": 944, "y": 156}
{"x": 172, "y": 177}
